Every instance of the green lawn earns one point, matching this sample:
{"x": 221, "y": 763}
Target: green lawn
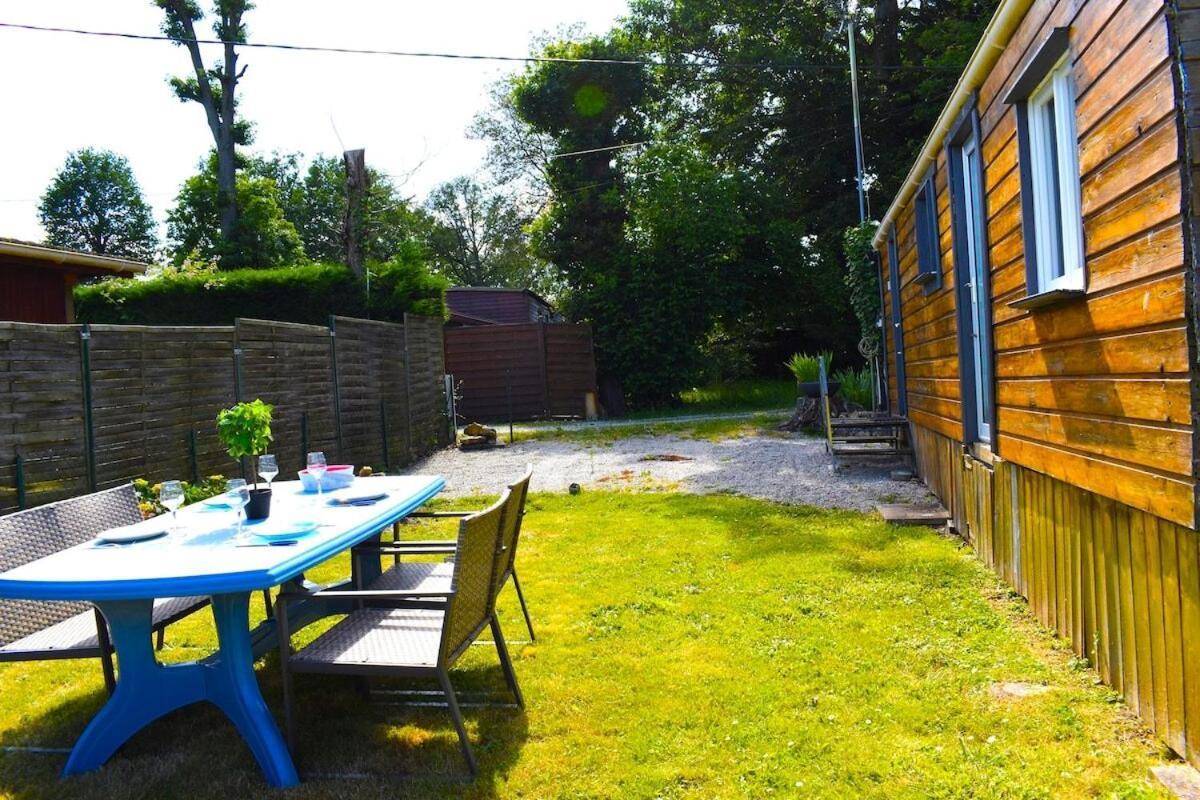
{"x": 689, "y": 647}
{"x": 709, "y": 429}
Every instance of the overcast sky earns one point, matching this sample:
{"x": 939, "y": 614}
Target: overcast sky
{"x": 63, "y": 91}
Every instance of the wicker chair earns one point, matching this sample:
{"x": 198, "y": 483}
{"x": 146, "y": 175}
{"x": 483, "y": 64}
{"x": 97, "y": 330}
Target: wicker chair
{"x": 411, "y": 633}
{"x": 36, "y": 630}
{"x": 433, "y": 576}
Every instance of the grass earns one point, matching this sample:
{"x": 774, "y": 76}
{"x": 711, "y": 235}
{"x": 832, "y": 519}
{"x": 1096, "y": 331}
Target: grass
{"x": 689, "y": 647}
{"x": 749, "y": 394}
{"x": 709, "y": 429}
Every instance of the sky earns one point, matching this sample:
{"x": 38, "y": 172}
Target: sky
{"x": 63, "y": 91}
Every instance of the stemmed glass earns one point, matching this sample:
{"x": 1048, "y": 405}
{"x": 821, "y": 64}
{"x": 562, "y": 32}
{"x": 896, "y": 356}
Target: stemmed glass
{"x": 316, "y": 468}
{"x": 170, "y": 495}
{"x": 268, "y": 468}
{"x": 238, "y": 495}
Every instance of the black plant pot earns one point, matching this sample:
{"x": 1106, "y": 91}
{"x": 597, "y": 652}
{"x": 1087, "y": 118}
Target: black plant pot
{"x": 259, "y": 506}
{"x": 813, "y": 388}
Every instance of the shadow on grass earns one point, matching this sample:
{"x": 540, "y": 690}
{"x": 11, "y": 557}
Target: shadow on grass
{"x": 347, "y": 743}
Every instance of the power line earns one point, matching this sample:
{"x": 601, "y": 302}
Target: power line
{"x": 596, "y": 150}
{"x": 632, "y": 62}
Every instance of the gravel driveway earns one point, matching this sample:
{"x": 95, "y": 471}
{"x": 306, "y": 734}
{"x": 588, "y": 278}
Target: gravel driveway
{"x": 788, "y": 469}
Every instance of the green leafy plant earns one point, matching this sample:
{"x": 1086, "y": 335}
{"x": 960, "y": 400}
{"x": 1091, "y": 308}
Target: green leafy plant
{"x": 805, "y": 367}
{"x": 856, "y": 385}
{"x": 147, "y": 493}
{"x": 862, "y": 278}
{"x": 245, "y": 430}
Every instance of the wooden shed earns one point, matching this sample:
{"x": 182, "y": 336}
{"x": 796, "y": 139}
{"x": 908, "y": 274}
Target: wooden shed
{"x": 1040, "y": 316}
{"x": 488, "y": 305}
{"x": 36, "y": 282}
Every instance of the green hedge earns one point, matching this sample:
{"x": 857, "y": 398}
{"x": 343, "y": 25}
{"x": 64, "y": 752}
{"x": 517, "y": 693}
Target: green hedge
{"x": 289, "y": 294}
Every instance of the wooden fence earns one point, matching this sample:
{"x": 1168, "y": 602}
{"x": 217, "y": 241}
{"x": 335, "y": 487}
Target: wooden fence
{"x": 535, "y": 370}
{"x": 87, "y": 407}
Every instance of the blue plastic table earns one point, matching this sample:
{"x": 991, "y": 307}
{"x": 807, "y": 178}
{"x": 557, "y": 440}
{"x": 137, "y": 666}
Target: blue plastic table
{"x": 202, "y": 559}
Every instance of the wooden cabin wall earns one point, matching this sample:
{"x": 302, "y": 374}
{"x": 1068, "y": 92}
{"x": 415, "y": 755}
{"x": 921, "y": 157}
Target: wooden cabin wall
{"x": 1120, "y": 584}
{"x": 1094, "y": 392}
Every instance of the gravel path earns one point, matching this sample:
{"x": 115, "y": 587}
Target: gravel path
{"x": 783, "y": 468}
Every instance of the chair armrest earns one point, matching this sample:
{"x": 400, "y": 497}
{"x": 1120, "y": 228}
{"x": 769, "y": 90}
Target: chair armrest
{"x": 382, "y": 594}
{"x": 440, "y": 514}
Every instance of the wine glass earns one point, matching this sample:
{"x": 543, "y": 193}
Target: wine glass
{"x": 170, "y": 495}
{"x": 316, "y": 468}
{"x": 268, "y": 468}
{"x": 238, "y": 495}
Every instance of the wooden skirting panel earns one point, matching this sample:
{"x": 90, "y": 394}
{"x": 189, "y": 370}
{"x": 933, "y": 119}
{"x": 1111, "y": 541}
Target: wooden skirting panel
{"x": 1120, "y": 584}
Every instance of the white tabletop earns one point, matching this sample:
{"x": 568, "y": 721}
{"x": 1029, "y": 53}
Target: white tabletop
{"x": 204, "y": 558}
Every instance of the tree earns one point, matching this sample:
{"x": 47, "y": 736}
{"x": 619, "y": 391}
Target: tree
{"x": 478, "y": 238}
{"x": 94, "y": 204}
{"x": 215, "y": 89}
{"x": 389, "y": 222}
{"x": 263, "y": 238}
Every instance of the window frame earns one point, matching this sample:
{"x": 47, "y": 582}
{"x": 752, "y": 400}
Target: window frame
{"x": 1048, "y": 158}
{"x": 979, "y": 413}
{"x": 897, "y": 304}
{"x": 927, "y": 235}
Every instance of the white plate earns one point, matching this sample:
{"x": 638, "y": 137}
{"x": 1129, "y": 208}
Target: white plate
{"x": 292, "y": 529}
{"x": 131, "y": 533}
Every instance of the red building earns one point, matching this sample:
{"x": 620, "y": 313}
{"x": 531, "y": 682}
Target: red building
{"x": 36, "y": 282}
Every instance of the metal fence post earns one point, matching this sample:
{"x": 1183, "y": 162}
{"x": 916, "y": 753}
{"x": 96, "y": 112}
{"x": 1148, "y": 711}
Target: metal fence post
{"x": 19, "y": 474}
{"x": 303, "y": 435}
{"x": 337, "y": 389}
{"x": 383, "y": 435}
{"x": 89, "y": 432}
{"x": 192, "y": 456}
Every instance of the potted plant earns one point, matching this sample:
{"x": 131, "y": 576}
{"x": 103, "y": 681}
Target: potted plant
{"x": 806, "y": 369}
{"x": 245, "y": 430}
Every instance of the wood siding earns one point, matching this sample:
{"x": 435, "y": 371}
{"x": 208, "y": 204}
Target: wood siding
{"x": 33, "y": 294}
{"x": 504, "y": 306}
{"x": 1120, "y": 584}
{"x": 1094, "y": 392}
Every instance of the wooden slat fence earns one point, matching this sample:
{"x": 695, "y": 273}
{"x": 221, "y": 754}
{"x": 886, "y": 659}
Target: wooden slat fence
{"x": 84, "y": 407}
{"x": 529, "y": 370}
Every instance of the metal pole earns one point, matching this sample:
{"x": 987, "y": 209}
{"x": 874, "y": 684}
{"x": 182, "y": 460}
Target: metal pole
{"x": 89, "y": 432}
{"x": 195, "y": 462}
{"x": 508, "y": 398}
{"x": 858, "y": 142}
{"x": 20, "y": 476}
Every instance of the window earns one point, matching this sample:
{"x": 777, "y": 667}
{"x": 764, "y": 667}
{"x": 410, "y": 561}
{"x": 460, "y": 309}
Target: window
{"x": 929, "y": 261}
{"x": 897, "y": 327}
{"x": 968, "y": 223}
{"x": 1049, "y": 160}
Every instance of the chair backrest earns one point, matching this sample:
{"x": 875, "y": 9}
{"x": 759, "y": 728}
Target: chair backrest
{"x": 476, "y": 561}
{"x": 38, "y": 532}
{"x": 511, "y": 533}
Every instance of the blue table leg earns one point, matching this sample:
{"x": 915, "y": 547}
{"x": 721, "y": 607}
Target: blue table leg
{"x": 146, "y": 690}
{"x": 233, "y": 688}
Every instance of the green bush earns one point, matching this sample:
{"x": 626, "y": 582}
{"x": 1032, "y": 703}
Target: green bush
{"x": 307, "y": 293}
{"x": 806, "y": 369}
{"x": 856, "y": 386}
{"x": 147, "y": 493}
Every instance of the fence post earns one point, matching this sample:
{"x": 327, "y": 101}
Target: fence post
{"x": 192, "y": 457}
{"x": 303, "y": 435}
{"x": 383, "y": 433}
{"x": 508, "y": 400}
{"x": 19, "y": 470}
{"x": 337, "y": 389}
{"x": 408, "y": 409}
{"x": 544, "y": 369}
{"x": 89, "y": 432}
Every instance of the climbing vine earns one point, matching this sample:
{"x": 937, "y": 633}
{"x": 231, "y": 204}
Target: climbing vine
{"x": 862, "y": 278}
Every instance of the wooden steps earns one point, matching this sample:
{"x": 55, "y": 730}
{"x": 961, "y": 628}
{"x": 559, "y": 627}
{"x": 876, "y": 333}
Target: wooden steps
{"x": 902, "y": 514}
{"x": 867, "y": 437}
